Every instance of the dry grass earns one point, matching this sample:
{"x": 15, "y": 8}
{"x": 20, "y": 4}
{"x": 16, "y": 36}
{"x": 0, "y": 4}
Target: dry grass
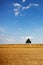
{"x": 21, "y": 54}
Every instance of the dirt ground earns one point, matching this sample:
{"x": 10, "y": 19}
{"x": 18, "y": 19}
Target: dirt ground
{"x": 21, "y": 54}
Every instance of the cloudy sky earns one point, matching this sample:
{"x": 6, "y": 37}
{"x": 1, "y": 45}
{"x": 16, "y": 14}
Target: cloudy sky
{"x": 21, "y": 19}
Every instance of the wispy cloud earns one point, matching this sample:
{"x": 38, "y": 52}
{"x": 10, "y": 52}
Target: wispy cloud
{"x": 30, "y": 5}
{"x": 17, "y": 5}
{"x": 36, "y": 4}
{"x": 26, "y": 37}
{"x": 5, "y": 38}
{"x": 16, "y": 13}
{"x": 27, "y": 7}
{"x": 23, "y": 0}
{"x": 18, "y": 8}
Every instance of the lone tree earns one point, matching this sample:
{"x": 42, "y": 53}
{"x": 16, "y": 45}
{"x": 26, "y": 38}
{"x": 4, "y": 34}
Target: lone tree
{"x": 28, "y": 41}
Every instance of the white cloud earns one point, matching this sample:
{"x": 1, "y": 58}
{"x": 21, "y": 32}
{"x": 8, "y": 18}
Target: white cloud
{"x": 23, "y": 0}
{"x": 26, "y": 37}
{"x": 18, "y": 8}
{"x": 35, "y": 4}
{"x": 6, "y": 39}
{"x": 17, "y": 5}
{"x": 15, "y": 9}
{"x": 27, "y": 7}
{"x": 16, "y": 13}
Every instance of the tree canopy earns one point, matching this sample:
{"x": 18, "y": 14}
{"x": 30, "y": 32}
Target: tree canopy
{"x": 28, "y": 41}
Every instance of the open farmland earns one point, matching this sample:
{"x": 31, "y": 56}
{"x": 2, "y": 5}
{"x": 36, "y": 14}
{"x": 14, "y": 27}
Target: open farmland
{"x": 21, "y": 54}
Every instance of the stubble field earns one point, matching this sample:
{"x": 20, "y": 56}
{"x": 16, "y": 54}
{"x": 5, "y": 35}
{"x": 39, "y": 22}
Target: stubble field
{"x": 21, "y": 54}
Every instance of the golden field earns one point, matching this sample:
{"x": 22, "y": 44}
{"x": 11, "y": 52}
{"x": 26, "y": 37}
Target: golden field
{"x": 21, "y": 54}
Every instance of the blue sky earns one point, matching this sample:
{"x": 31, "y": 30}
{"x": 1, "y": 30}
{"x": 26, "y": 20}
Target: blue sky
{"x": 20, "y": 20}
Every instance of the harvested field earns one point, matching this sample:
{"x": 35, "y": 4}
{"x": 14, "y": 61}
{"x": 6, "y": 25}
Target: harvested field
{"x": 21, "y": 54}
